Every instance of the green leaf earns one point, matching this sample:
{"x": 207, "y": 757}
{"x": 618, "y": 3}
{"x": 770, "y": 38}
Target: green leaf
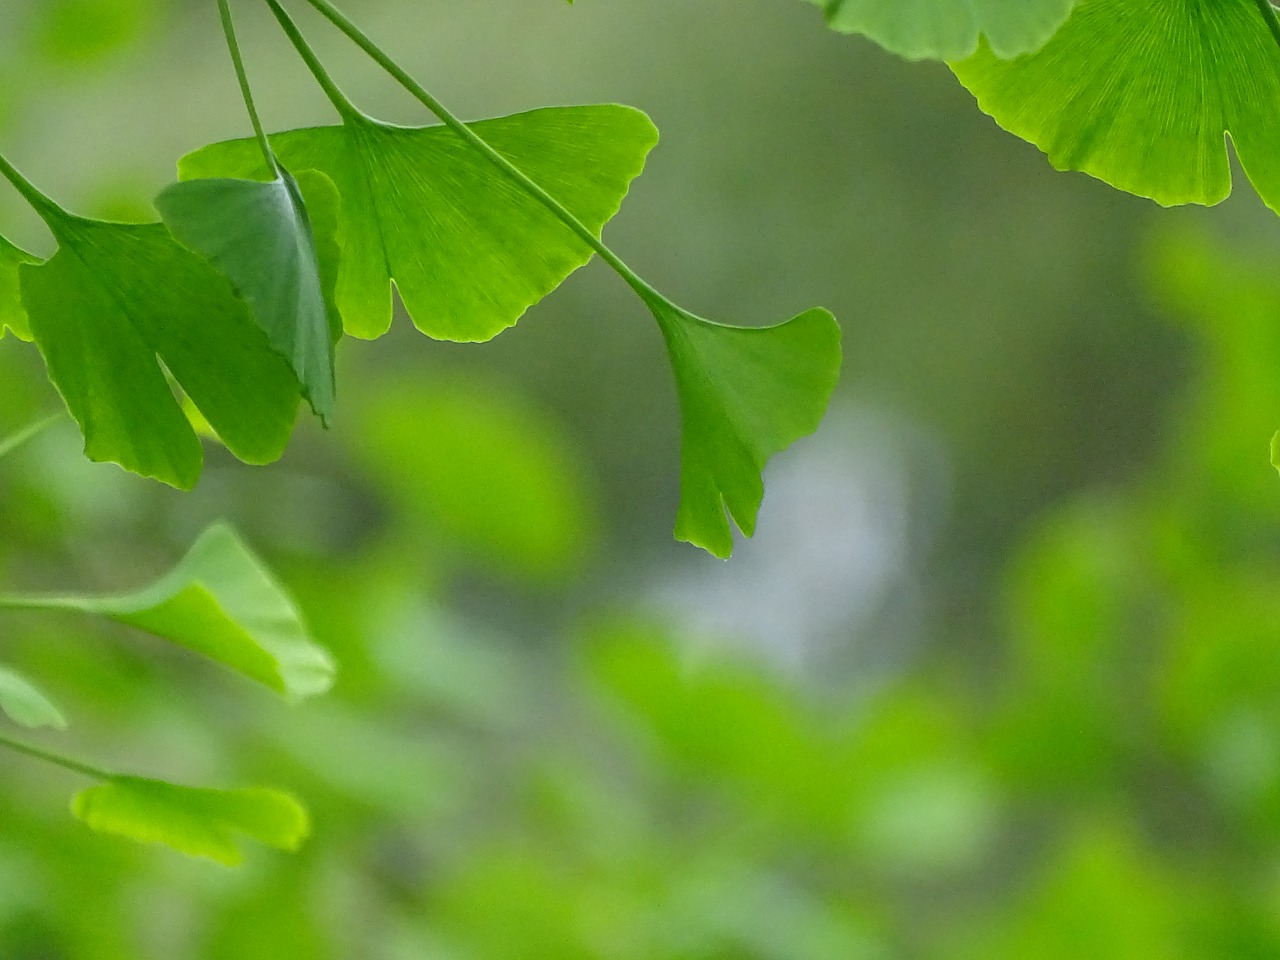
{"x": 949, "y": 29}
{"x": 1139, "y": 93}
{"x": 468, "y": 250}
{"x": 266, "y": 239}
{"x": 196, "y": 821}
{"x": 116, "y": 300}
{"x": 12, "y": 315}
{"x": 25, "y": 705}
{"x": 745, "y": 394}
{"x": 220, "y": 602}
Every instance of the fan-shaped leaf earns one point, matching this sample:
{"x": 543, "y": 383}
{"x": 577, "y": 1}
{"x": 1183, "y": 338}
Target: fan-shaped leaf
{"x": 114, "y": 301}
{"x": 1139, "y": 93}
{"x": 195, "y": 821}
{"x": 469, "y": 251}
{"x": 949, "y": 29}
{"x": 12, "y": 315}
{"x": 25, "y": 705}
{"x": 745, "y": 394}
{"x": 268, "y": 242}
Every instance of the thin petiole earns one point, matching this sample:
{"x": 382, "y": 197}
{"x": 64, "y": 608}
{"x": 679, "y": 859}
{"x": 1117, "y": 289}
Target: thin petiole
{"x": 10, "y": 444}
{"x": 57, "y": 759}
{"x": 450, "y": 120}
{"x": 233, "y": 45}
{"x": 331, "y": 89}
{"x": 49, "y": 211}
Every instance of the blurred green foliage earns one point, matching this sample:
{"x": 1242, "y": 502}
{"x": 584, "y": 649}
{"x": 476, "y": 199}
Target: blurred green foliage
{"x": 522, "y": 760}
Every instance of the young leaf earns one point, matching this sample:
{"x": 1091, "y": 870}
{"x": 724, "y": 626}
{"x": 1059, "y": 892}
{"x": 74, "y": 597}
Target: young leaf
{"x": 220, "y": 602}
{"x": 196, "y": 821}
{"x": 25, "y": 705}
{"x": 268, "y": 242}
{"x": 12, "y": 315}
{"x": 745, "y": 394}
{"x": 468, "y": 250}
{"x": 1139, "y": 93}
{"x": 949, "y": 29}
{"x": 114, "y": 300}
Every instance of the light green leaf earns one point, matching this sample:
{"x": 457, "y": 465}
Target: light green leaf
{"x": 12, "y": 315}
{"x": 220, "y": 601}
{"x": 1139, "y": 93}
{"x": 267, "y": 240}
{"x": 196, "y": 821}
{"x": 949, "y": 29}
{"x": 25, "y": 705}
{"x": 745, "y": 394}
{"x": 114, "y": 301}
{"x": 469, "y": 251}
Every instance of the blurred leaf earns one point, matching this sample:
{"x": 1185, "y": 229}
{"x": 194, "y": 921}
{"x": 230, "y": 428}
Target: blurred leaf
{"x": 25, "y": 705}
{"x": 1139, "y": 93}
{"x": 468, "y": 250}
{"x": 12, "y": 315}
{"x": 115, "y": 301}
{"x": 272, "y": 244}
{"x": 220, "y": 601}
{"x": 745, "y": 394}
{"x": 949, "y": 29}
{"x": 83, "y": 30}
{"x": 196, "y": 821}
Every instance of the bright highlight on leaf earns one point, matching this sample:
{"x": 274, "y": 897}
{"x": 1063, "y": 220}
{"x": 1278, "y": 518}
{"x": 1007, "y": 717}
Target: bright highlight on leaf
{"x": 949, "y": 29}
{"x": 12, "y": 315}
{"x": 1139, "y": 93}
{"x": 196, "y": 821}
{"x": 221, "y": 602}
{"x": 271, "y": 245}
{"x": 468, "y": 250}
{"x": 114, "y": 301}
{"x": 745, "y": 394}
{"x": 26, "y": 706}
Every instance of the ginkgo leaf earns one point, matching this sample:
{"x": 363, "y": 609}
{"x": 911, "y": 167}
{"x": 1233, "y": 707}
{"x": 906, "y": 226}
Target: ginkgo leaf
{"x": 116, "y": 301}
{"x": 221, "y": 602}
{"x": 949, "y": 29}
{"x": 268, "y": 241}
{"x": 468, "y": 249}
{"x": 12, "y": 314}
{"x": 1139, "y": 93}
{"x": 193, "y": 820}
{"x": 25, "y": 705}
{"x": 745, "y": 394}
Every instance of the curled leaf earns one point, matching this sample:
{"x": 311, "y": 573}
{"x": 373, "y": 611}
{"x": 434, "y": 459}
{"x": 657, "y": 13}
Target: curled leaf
{"x": 25, "y": 705}
{"x": 13, "y": 316}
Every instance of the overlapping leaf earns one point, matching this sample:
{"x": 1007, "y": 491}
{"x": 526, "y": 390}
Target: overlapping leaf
{"x": 1139, "y": 93}
{"x": 220, "y": 602}
{"x": 745, "y": 394}
{"x": 949, "y": 29}
{"x": 468, "y": 250}
{"x": 116, "y": 301}
{"x": 25, "y": 705}
{"x": 271, "y": 244}
{"x": 196, "y": 821}
{"x": 12, "y": 314}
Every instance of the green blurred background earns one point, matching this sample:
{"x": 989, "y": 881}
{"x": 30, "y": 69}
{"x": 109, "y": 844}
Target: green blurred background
{"x": 998, "y": 678}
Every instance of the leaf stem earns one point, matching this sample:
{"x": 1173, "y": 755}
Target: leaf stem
{"x": 49, "y": 211}
{"x": 12, "y": 443}
{"x": 340, "y": 100}
{"x": 450, "y": 120}
{"x": 1273, "y": 21}
{"x": 233, "y": 45}
{"x": 57, "y": 759}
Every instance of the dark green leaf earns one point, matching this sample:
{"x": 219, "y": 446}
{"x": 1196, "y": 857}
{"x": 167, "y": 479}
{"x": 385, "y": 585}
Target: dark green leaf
{"x": 469, "y": 251}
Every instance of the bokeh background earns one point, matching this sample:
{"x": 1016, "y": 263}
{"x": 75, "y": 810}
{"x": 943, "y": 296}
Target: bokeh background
{"x": 998, "y": 678}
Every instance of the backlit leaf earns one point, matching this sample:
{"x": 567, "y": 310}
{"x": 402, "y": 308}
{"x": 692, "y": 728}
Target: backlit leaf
{"x": 1139, "y": 93}
{"x": 469, "y": 250}
{"x": 25, "y": 705}
{"x": 196, "y": 821}
{"x": 949, "y": 29}
{"x": 267, "y": 241}
{"x": 116, "y": 300}
{"x": 12, "y": 315}
{"x": 745, "y": 394}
